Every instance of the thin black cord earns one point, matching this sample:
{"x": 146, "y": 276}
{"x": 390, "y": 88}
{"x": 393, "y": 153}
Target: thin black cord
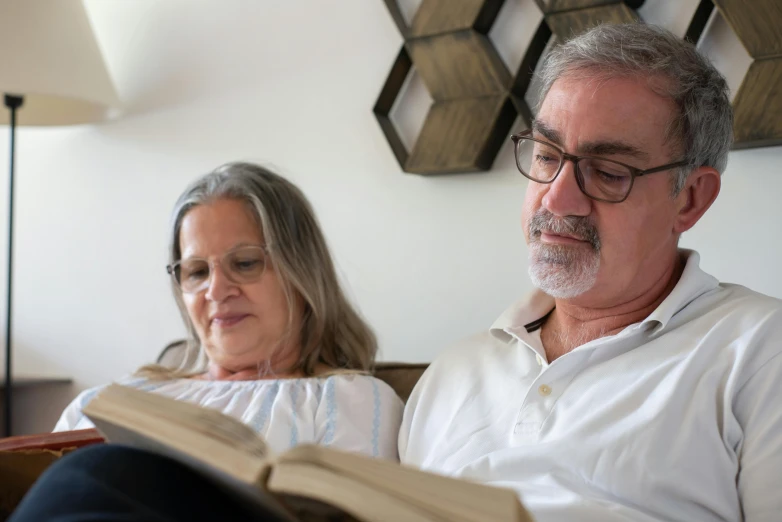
{"x": 13, "y": 103}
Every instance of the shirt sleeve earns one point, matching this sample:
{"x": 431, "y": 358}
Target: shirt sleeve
{"x": 425, "y": 417}
{"x": 359, "y": 414}
{"x": 438, "y": 400}
{"x": 72, "y": 418}
{"x": 759, "y": 412}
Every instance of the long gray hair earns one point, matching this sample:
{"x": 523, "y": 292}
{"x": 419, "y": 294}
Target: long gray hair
{"x": 331, "y": 332}
{"x": 702, "y": 130}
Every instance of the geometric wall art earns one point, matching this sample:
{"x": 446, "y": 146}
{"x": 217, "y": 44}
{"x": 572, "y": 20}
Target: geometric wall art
{"x": 476, "y": 99}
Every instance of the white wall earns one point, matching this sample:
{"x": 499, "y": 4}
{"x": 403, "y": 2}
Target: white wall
{"x": 290, "y": 84}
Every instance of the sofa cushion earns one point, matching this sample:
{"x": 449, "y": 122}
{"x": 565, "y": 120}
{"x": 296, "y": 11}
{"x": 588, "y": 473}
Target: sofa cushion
{"x": 400, "y": 376}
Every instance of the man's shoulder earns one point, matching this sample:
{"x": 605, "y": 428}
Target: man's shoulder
{"x": 743, "y": 306}
{"x": 745, "y": 323}
{"x": 750, "y": 299}
{"x": 473, "y": 349}
{"x": 730, "y": 302}
{"x": 467, "y": 360}
{"x": 458, "y": 376}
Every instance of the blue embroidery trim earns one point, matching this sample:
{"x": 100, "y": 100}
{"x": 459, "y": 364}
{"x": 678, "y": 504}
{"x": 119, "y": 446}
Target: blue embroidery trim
{"x": 294, "y": 429}
{"x": 376, "y": 421}
{"x": 232, "y": 403}
{"x": 259, "y": 421}
{"x": 331, "y": 412}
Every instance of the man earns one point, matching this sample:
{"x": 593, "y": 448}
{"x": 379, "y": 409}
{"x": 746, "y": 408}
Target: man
{"x": 631, "y": 385}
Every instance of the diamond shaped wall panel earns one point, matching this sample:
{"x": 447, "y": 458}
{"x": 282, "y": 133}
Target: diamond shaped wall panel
{"x": 758, "y": 105}
{"x": 463, "y": 134}
{"x": 757, "y": 23}
{"x": 570, "y": 23}
{"x": 459, "y": 65}
{"x": 555, "y": 6}
{"x": 440, "y": 16}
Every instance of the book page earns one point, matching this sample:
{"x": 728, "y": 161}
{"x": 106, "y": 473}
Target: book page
{"x": 218, "y": 425}
{"x": 125, "y": 417}
{"x": 364, "y": 502}
{"x": 454, "y": 499}
{"x": 248, "y": 492}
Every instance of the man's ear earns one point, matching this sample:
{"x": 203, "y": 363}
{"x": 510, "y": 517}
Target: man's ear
{"x": 699, "y": 192}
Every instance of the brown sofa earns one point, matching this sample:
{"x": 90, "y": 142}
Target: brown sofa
{"x": 24, "y": 458}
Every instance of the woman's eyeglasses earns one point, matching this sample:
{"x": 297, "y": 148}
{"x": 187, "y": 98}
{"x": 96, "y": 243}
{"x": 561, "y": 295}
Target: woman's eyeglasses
{"x": 241, "y": 266}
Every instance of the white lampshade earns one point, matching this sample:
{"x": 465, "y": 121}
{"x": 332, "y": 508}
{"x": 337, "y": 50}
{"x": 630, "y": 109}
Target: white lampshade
{"x": 49, "y": 55}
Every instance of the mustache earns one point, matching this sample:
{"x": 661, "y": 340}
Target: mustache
{"x": 580, "y": 227}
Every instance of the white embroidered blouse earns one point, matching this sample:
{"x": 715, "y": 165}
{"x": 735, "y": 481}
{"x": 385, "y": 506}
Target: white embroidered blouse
{"x": 350, "y": 412}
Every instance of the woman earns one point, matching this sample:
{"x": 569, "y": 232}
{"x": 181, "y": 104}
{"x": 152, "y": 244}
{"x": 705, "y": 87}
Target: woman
{"x": 273, "y": 340}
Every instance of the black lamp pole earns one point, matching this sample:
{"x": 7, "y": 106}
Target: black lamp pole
{"x": 13, "y": 103}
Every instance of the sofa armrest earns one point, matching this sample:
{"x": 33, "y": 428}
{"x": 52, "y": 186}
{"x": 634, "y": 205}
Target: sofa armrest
{"x": 25, "y": 457}
{"x": 52, "y": 441}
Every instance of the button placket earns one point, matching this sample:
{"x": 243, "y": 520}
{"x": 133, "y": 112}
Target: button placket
{"x": 535, "y": 408}
{"x": 544, "y": 393}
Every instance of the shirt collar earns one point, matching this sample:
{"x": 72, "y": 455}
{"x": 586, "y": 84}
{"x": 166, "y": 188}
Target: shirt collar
{"x": 693, "y": 283}
{"x": 527, "y": 311}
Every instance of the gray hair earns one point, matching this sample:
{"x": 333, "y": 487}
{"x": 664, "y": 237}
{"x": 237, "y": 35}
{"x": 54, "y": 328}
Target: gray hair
{"x": 703, "y": 127}
{"x": 331, "y": 331}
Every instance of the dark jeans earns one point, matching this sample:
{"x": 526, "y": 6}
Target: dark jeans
{"x": 110, "y": 483}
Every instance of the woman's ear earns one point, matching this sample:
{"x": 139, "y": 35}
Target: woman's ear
{"x": 699, "y": 192}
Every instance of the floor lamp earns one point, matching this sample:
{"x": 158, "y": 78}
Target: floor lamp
{"x": 51, "y": 73}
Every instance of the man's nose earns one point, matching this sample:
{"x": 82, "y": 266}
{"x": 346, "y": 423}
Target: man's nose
{"x": 564, "y": 197}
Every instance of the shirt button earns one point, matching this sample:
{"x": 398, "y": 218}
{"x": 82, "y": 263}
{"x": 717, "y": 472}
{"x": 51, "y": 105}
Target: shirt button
{"x": 539, "y": 359}
{"x": 544, "y": 390}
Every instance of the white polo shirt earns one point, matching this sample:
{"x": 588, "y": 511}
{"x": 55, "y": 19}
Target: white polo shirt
{"x": 678, "y": 417}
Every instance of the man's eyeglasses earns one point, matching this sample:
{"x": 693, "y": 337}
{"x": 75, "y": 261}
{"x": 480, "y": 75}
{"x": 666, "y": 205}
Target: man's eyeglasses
{"x": 598, "y": 178}
{"x": 241, "y": 266}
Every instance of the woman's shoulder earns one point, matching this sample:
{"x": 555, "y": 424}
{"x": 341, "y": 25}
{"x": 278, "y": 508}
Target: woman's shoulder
{"x": 359, "y": 412}
{"x": 87, "y": 395}
{"x": 73, "y": 418}
{"x": 359, "y": 386}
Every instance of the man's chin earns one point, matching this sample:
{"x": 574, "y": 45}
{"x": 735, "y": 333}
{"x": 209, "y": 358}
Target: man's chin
{"x": 561, "y": 292}
{"x": 562, "y": 281}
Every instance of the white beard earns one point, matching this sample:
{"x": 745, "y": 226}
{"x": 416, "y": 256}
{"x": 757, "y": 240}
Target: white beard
{"x": 562, "y": 272}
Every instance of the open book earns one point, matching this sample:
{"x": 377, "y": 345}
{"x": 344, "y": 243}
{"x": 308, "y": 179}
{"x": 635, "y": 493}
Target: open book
{"x": 307, "y": 482}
